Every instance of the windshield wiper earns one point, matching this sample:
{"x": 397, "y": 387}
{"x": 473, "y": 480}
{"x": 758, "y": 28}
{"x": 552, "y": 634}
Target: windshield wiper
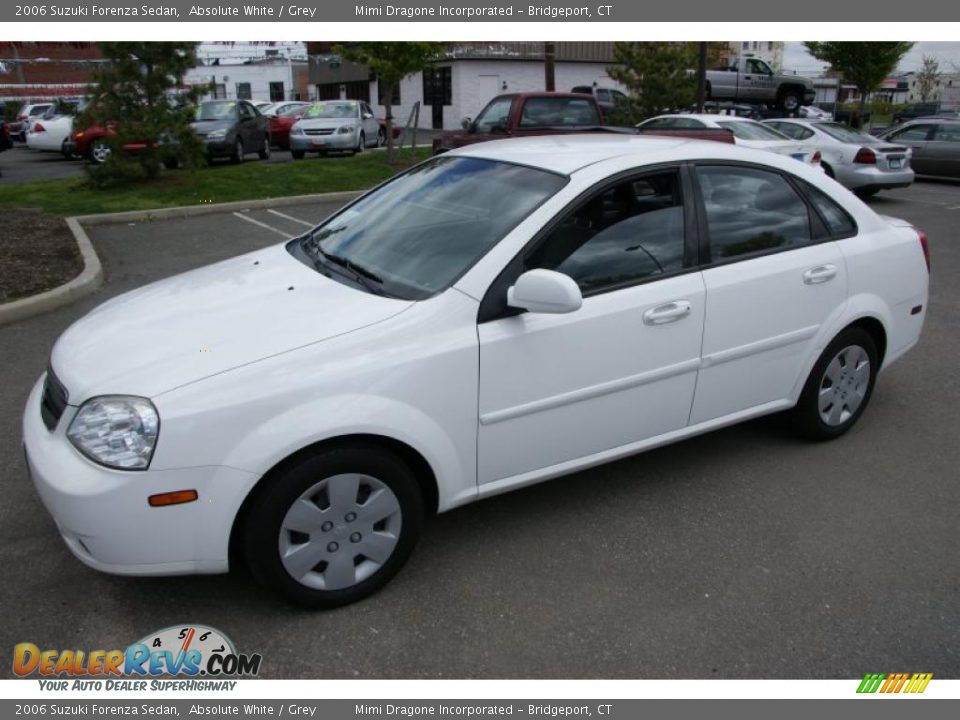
{"x": 363, "y": 276}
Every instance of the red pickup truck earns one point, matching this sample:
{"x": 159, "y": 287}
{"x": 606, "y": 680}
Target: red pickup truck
{"x": 523, "y": 114}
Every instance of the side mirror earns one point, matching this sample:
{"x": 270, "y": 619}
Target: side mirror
{"x": 545, "y": 291}
{"x": 466, "y": 121}
{"x": 367, "y": 116}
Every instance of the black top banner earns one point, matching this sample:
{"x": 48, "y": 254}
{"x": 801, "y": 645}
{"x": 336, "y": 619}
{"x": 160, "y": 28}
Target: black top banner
{"x": 604, "y": 11}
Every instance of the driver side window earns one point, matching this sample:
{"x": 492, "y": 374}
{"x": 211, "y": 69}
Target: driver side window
{"x": 624, "y": 234}
{"x": 493, "y": 115}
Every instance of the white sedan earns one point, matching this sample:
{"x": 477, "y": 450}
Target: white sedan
{"x": 496, "y": 316}
{"x": 746, "y": 132}
{"x": 49, "y": 134}
{"x": 858, "y": 161}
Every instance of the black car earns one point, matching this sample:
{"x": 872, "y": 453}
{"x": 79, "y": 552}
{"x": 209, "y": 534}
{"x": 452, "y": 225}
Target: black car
{"x": 232, "y": 129}
{"x": 915, "y": 110}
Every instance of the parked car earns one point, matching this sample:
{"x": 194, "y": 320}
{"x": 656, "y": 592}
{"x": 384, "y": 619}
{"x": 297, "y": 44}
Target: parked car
{"x": 232, "y": 129}
{"x": 6, "y": 142}
{"x": 746, "y": 132}
{"x": 50, "y": 132}
{"x": 262, "y": 105}
{"x": 915, "y": 110}
{"x": 337, "y": 125}
{"x": 812, "y": 112}
{"x": 750, "y": 79}
{"x": 493, "y": 317}
{"x": 525, "y": 114}
{"x": 18, "y": 128}
{"x": 935, "y": 145}
{"x": 607, "y": 98}
{"x": 282, "y": 119}
{"x": 858, "y": 161}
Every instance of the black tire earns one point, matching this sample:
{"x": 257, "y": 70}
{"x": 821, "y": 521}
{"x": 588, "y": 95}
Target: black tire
{"x": 237, "y": 156}
{"x": 789, "y": 100}
{"x": 381, "y": 137}
{"x": 828, "y": 170}
{"x": 864, "y": 194}
{"x": 263, "y": 525}
{"x": 806, "y": 416}
{"x": 171, "y": 163}
{"x": 264, "y": 152}
{"x": 297, "y": 154}
{"x": 361, "y": 144}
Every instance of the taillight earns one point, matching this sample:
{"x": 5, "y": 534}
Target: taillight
{"x": 815, "y": 160}
{"x": 925, "y": 245}
{"x": 39, "y": 128}
{"x": 865, "y": 156}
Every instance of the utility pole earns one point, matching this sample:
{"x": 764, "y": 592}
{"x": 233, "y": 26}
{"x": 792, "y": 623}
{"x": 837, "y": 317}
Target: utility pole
{"x": 549, "y": 55}
{"x": 701, "y": 76}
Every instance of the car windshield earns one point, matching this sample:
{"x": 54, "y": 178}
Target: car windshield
{"x": 417, "y": 234}
{"x": 331, "y": 110}
{"x": 291, "y": 110}
{"x": 749, "y": 130}
{"x": 844, "y": 134}
{"x": 216, "y": 110}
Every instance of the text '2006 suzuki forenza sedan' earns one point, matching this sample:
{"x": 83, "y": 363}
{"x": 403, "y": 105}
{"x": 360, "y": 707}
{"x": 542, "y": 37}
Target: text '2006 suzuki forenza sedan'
{"x": 496, "y": 316}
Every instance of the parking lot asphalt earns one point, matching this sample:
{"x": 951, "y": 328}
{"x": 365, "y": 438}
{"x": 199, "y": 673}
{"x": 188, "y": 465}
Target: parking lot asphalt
{"x": 745, "y": 553}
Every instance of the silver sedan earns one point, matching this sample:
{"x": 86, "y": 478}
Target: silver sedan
{"x": 858, "y": 161}
{"x": 336, "y": 125}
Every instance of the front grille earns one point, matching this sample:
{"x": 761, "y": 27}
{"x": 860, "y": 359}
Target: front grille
{"x": 53, "y": 401}
{"x": 319, "y": 131}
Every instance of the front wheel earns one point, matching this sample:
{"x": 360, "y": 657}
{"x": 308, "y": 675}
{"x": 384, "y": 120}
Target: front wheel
{"x": 864, "y": 194}
{"x": 99, "y": 151}
{"x": 297, "y": 154}
{"x": 335, "y": 526}
{"x": 238, "y": 152}
{"x": 789, "y": 101}
{"x": 361, "y": 144}
{"x": 839, "y": 386}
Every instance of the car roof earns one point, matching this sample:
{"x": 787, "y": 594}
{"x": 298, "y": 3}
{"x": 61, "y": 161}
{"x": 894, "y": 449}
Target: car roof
{"x": 566, "y": 154}
{"x": 710, "y": 117}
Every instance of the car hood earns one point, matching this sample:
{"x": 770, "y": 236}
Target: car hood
{"x": 205, "y": 127}
{"x": 324, "y": 123}
{"x": 207, "y": 321}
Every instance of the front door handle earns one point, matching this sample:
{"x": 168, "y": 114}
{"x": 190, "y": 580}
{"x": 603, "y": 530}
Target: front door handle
{"x": 820, "y": 274}
{"x": 668, "y": 313}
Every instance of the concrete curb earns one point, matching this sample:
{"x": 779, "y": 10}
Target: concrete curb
{"x": 89, "y": 279}
{"x": 192, "y": 210}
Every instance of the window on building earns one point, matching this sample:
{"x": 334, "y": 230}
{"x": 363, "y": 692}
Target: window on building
{"x": 438, "y": 86}
{"x": 746, "y": 46}
{"x": 219, "y": 91}
{"x": 382, "y": 94}
{"x": 358, "y": 90}
{"x": 276, "y": 92}
{"x": 243, "y": 91}
{"x": 770, "y": 46}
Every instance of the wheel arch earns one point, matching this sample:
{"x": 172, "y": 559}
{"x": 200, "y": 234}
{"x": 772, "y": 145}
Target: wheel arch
{"x": 418, "y": 464}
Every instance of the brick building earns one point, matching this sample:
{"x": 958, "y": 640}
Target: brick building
{"x": 45, "y": 70}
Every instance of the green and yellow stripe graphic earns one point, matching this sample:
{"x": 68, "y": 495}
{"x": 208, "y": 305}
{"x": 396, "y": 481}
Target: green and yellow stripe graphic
{"x": 894, "y": 682}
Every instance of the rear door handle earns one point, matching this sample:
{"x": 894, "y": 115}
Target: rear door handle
{"x": 667, "y": 313}
{"x": 820, "y": 274}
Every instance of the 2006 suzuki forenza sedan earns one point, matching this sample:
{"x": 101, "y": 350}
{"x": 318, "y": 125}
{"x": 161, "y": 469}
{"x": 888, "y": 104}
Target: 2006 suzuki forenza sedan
{"x": 493, "y": 317}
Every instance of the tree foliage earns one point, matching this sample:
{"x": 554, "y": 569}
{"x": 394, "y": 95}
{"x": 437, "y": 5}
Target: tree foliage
{"x": 139, "y": 93}
{"x": 864, "y": 64}
{"x": 927, "y": 78}
{"x": 392, "y": 62}
{"x": 658, "y": 76}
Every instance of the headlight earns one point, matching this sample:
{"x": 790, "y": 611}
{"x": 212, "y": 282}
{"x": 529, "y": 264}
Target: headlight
{"x": 296, "y": 130}
{"x": 116, "y": 431}
{"x": 344, "y": 129}
{"x": 216, "y": 135}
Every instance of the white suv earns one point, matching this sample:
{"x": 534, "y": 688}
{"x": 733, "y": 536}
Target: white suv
{"x": 496, "y": 316}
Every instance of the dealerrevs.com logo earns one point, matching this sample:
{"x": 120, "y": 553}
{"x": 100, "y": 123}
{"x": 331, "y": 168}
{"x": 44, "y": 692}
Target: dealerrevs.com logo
{"x": 887, "y": 683}
{"x": 188, "y": 651}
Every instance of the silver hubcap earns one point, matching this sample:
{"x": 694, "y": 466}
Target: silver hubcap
{"x": 844, "y": 385}
{"x": 791, "y": 103}
{"x": 340, "y": 531}
{"x": 101, "y": 151}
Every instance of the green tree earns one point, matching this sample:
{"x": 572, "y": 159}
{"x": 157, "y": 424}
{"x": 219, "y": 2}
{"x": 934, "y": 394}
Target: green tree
{"x": 392, "y": 62}
{"x": 864, "y": 64}
{"x": 928, "y": 77}
{"x": 139, "y": 92}
{"x": 658, "y": 75}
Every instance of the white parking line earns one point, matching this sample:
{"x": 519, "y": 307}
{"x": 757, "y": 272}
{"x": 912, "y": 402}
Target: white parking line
{"x": 263, "y": 225}
{"x": 291, "y": 218}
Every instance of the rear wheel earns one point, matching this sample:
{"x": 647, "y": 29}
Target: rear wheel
{"x": 839, "y": 386}
{"x": 171, "y": 163}
{"x": 789, "y": 100}
{"x": 238, "y": 153}
{"x": 264, "y": 152}
{"x": 867, "y": 193}
{"x": 361, "y": 143}
{"x": 381, "y": 137}
{"x": 335, "y": 526}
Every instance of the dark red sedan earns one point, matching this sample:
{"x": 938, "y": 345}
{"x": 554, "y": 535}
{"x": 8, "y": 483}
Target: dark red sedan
{"x": 282, "y": 117}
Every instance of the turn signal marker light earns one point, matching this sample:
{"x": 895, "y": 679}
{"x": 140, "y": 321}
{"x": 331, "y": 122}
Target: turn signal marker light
{"x": 177, "y": 497}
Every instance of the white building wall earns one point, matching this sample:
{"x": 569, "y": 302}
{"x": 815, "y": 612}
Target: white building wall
{"x": 475, "y": 82}
{"x": 259, "y": 77}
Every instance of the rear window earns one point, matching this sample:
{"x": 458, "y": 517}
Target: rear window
{"x": 749, "y": 130}
{"x": 558, "y": 112}
{"x": 839, "y": 223}
{"x": 845, "y": 134}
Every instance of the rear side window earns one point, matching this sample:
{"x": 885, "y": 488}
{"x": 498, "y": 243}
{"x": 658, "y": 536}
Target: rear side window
{"x": 948, "y": 132}
{"x": 796, "y": 132}
{"x": 558, "y": 111}
{"x": 839, "y": 223}
{"x": 751, "y": 211}
{"x": 914, "y": 133}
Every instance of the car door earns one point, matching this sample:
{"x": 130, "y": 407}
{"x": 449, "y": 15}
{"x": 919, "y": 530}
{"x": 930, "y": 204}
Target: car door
{"x": 771, "y": 284}
{"x": 943, "y": 150}
{"x": 758, "y": 80}
{"x": 370, "y": 125}
{"x": 621, "y": 369}
{"x": 249, "y": 130}
{"x": 917, "y": 138}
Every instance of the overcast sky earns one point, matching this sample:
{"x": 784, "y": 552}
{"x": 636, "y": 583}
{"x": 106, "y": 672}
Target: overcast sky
{"x": 795, "y": 57}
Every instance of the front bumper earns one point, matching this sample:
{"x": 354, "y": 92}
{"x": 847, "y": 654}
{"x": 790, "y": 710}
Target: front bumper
{"x": 221, "y": 147}
{"x": 322, "y": 143}
{"x": 103, "y": 514}
{"x": 870, "y": 177}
